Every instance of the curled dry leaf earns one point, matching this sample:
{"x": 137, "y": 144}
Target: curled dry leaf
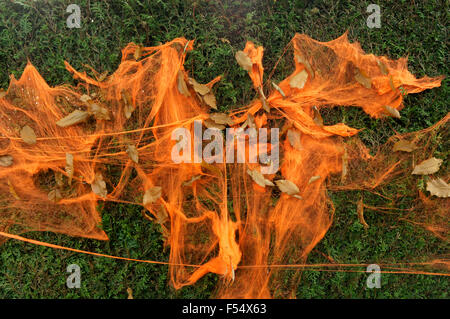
{"x": 210, "y": 100}
{"x": 12, "y": 190}
{"x": 391, "y": 83}
{"x": 288, "y": 187}
{"x": 99, "y": 185}
{"x": 73, "y": 118}
{"x": 201, "y": 89}
{"x": 429, "y": 166}
{"x": 313, "y": 179}
{"x": 151, "y": 195}
{"x": 54, "y": 195}
{"x": 299, "y": 80}
{"x": 69, "y": 167}
{"x": 161, "y": 216}
{"x": 133, "y": 153}
{"x": 6, "y": 160}
{"x": 58, "y": 179}
{"x": 258, "y": 178}
{"x": 243, "y": 60}
{"x": 221, "y": 118}
{"x": 404, "y": 146}
{"x": 27, "y": 134}
{"x": 129, "y": 107}
{"x": 278, "y": 89}
{"x": 181, "y": 84}
{"x": 265, "y": 105}
{"x": 138, "y": 53}
{"x": 192, "y": 180}
{"x": 438, "y": 187}
{"x": 383, "y": 68}
{"x": 211, "y": 124}
{"x": 99, "y": 112}
{"x": 294, "y": 139}
{"x": 360, "y": 210}
{"x": 263, "y": 99}
{"x": 317, "y": 117}
{"x": 302, "y": 60}
{"x": 393, "y": 112}
{"x": 363, "y": 79}
{"x": 85, "y": 98}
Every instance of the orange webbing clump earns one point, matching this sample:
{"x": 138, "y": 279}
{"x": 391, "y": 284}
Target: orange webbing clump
{"x": 212, "y": 215}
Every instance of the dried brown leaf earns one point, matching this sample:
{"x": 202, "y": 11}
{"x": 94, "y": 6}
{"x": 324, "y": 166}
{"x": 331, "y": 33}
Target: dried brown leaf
{"x": 259, "y": 178}
{"x": 182, "y": 87}
{"x": 128, "y": 104}
{"x": 317, "y": 117}
{"x": 299, "y": 80}
{"x": 211, "y": 124}
{"x": 293, "y": 136}
{"x": 363, "y": 79}
{"x": 305, "y": 62}
{"x": 429, "y": 166}
{"x": 438, "y": 187}
{"x": 286, "y": 186}
{"x": 404, "y": 146}
{"x": 221, "y": 118}
{"x": 278, "y": 89}
{"x": 138, "y": 53}
{"x": 383, "y": 68}
{"x": 313, "y": 179}
{"x": 360, "y": 210}
{"x": 265, "y": 105}
{"x": 54, "y": 195}
{"x": 151, "y": 195}
{"x": 201, "y": 89}
{"x": 99, "y": 185}
{"x": 133, "y": 153}
{"x": 85, "y": 98}
{"x": 392, "y": 111}
{"x": 58, "y": 179}
{"x": 192, "y": 180}
{"x": 391, "y": 84}
{"x": 73, "y": 118}
{"x": 210, "y": 100}
{"x": 99, "y": 112}
{"x": 27, "y": 134}
{"x": 69, "y": 167}
{"x": 12, "y": 190}
{"x": 6, "y": 160}
{"x": 244, "y": 61}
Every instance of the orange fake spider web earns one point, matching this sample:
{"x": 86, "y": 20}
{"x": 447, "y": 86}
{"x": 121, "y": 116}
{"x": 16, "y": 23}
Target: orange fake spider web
{"x": 214, "y": 216}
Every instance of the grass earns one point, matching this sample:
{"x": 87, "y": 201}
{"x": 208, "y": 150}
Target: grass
{"x": 37, "y": 31}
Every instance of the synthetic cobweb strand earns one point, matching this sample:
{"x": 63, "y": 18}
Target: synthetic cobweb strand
{"x": 222, "y": 221}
